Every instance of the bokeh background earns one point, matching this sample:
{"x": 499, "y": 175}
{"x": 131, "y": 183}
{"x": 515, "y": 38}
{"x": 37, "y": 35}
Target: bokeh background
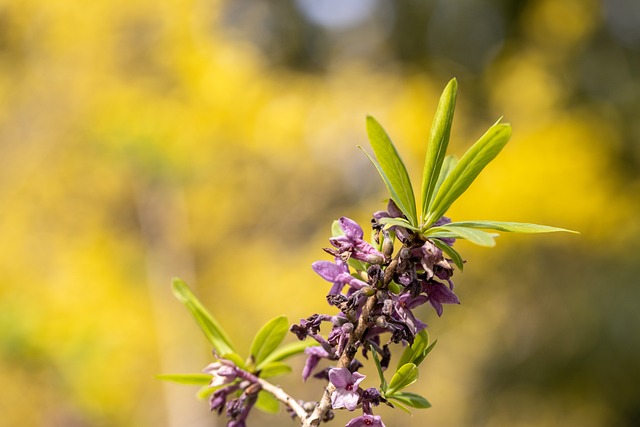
{"x": 216, "y": 141}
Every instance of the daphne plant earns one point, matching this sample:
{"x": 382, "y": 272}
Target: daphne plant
{"x": 375, "y": 287}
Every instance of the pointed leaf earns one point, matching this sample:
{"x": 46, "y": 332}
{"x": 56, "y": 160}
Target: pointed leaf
{"x": 268, "y": 338}
{"x": 468, "y": 168}
{"x": 411, "y": 399}
{"x": 420, "y": 344}
{"x": 392, "y": 169}
{"x": 473, "y": 235}
{"x": 401, "y": 222}
{"x": 438, "y": 141}
{"x": 514, "y": 227}
{"x": 450, "y": 252}
{"x": 397, "y": 404}
{"x": 420, "y": 358}
{"x": 267, "y": 403}
{"x": 376, "y": 360}
{"x": 448, "y": 165}
{"x": 191, "y": 379}
{"x": 236, "y": 359}
{"x": 272, "y": 369}
{"x": 405, "y": 376}
{"x": 211, "y": 328}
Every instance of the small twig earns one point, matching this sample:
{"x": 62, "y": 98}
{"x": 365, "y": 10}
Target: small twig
{"x": 283, "y": 397}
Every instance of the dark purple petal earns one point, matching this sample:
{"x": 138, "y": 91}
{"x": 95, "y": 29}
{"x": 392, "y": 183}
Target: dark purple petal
{"x": 440, "y": 294}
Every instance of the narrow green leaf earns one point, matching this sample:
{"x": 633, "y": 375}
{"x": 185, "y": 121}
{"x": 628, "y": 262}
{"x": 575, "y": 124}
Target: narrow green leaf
{"x": 206, "y": 391}
{"x": 376, "y": 361}
{"x": 473, "y": 235}
{"x": 419, "y": 359}
{"x": 211, "y": 328}
{"x": 286, "y": 351}
{"x": 411, "y": 399}
{"x": 190, "y": 379}
{"x": 267, "y": 403}
{"x": 448, "y": 165}
{"x": 392, "y": 169}
{"x": 513, "y": 227}
{"x": 438, "y": 142}
{"x": 405, "y": 376}
{"x": 268, "y": 338}
{"x": 273, "y": 369}
{"x": 390, "y": 222}
{"x": 420, "y": 344}
{"x": 450, "y": 252}
{"x": 468, "y": 168}
{"x": 397, "y": 404}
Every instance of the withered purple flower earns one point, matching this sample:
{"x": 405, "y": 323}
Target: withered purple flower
{"x": 439, "y": 294}
{"x": 346, "y": 383}
{"x": 366, "y": 420}
{"x": 338, "y": 274}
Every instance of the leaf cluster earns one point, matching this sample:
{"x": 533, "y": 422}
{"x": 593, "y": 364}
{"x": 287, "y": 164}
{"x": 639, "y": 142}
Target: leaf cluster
{"x": 444, "y": 179}
{"x": 266, "y": 354}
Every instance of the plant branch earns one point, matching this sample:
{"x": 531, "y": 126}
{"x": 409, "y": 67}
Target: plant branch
{"x": 283, "y": 397}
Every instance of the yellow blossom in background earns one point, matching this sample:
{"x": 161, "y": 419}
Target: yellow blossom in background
{"x": 144, "y": 140}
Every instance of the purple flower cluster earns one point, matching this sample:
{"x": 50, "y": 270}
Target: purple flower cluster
{"x": 383, "y": 287}
{"x": 236, "y": 393}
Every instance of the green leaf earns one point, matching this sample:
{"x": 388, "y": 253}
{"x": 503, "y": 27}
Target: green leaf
{"x": 335, "y": 229}
{"x": 397, "y": 404}
{"x": 392, "y": 169}
{"x": 267, "y": 403}
{"x": 448, "y": 165}
{"x": 273, "y": 369}
{"x": 268, "y": 338}
{"x": 467, "y": 169}
{"x": 190, "y": 379}
{"x": 438, "y": 142}
{"x": 205, "y": 392}
{"x": 473, "y": 235}
{"x": 411, "y": 399}
{"x": 420, "y": 358}
{"x": 286, "y": 351}
{"x": 420, "y": 344}
{"x": 211, "y": 328}
{"x": 450, "y": 252}
{"x": 405, "y": 376}
{"x": 390, "y": 222}
{"x": 513, "y": 227}
{"x": 376, "y": 360}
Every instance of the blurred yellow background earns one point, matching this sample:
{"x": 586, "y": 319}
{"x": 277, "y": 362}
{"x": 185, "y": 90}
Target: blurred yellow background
{"x": 215, "y": 141}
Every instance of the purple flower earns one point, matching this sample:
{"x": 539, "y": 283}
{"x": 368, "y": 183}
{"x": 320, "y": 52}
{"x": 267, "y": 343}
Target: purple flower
{"x": 222, "y": 373}
{"x": 346, "y": 393}
{"x": 352, "y": 242}
{"x": 337, "y": 273}
{"x": 314, "y": 355}
{"x": 439, "y": 294}
{"x": 366, "y": 421}
{"x": 402, "y": 305}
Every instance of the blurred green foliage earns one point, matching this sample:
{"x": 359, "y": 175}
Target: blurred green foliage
{"x": 215, "y": 141}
